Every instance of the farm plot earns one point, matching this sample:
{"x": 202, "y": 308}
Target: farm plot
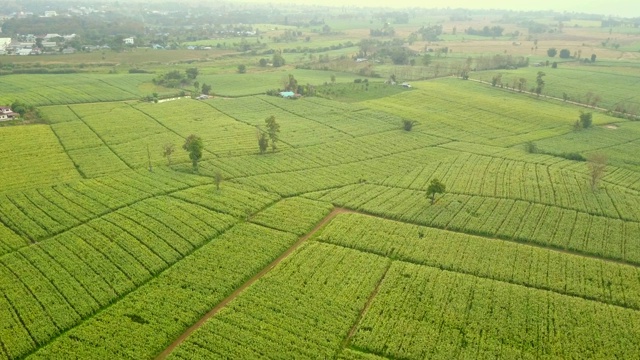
{"x": 304, "y": 308}
{"x": 534, "y": 267}
{"x": 32, "y": 156}
{"x": 514, "y": 220}
{"x": 295, "y": 130}
{"x": 55, "y": 286}
{"x": 221, "y": 134}
{"x": 54, "y": 89}
{"x": 614, "y": 85}
{"x": 148, "y": 319}
{"x": 38, "y": 214}
{"x": 296, "y": 215}
{"x": 424, "y": 312}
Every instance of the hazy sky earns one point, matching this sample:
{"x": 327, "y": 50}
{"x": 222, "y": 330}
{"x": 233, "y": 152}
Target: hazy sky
{"x": 626, "y": 8}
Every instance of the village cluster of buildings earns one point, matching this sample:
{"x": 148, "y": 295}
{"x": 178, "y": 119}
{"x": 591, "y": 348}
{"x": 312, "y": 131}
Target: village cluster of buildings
{"x": 34, "y": 45}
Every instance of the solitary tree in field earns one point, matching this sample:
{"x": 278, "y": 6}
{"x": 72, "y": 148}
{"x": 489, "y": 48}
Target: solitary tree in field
{"x": 552, "y": 52}
{"x": 435, "y": 187}
{"x": 565, "y": 53}
{"x": 206, "y": 89}
{"x": 273, "y": 128}
{"x": 586, "y": 119}
{"x": 597, "y": 164}
{"x": 193, "y": 145}
{"x": 407, "y": 124}
{"x": 167, "y": 150}
{"x": 242, "y": 68}
{"x": 539, "y": 82}
{"x": 593, "y": 58}
{"x": 263, "y": 141}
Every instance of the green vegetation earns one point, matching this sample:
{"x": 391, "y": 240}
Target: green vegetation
{"x": 502, "y": 226}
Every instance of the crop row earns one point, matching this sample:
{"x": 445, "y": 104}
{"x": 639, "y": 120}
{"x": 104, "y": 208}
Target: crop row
{"x": 355, "y": 123}
{"x": 296, "y": 215}
{"x": 54, "y": 286}
{"x": 502, "y": 218}
{"x": 147, "y": 320}
{"x": 70, "y": 88}
{"x": 536, "y": 267}
{"x": 295, "y": 130}
{"x": 221, "y": 134}
{"x": 423, "y": 312}
{"x": 304, "y": 308}
{"x": 496, "y": 177}
{"x": 32, "y": 156}
{"x": 38, "y": 214}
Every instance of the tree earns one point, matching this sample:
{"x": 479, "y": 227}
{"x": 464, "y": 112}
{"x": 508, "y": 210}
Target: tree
{"x": 167, "y": 150}
{"x": 586, "y": 119}
{"x": 407, "y": 124}
{"x": 206, "y": 89}
{"x": 435, "y": 187}
{"x": 496, "y": 80}
{"x": 262, "y": 62}
{"x": 193, "y": 145}
{"x": 242, "y": 69}
{"x": 522, "y": 84}
{"x": 593, "y": 58}
{"x": 18, "y": 107}
{"x": 552, "y": 52}
{"x": 273, "y": 128}
{"x": 554, "y": 65}
{"x": 277, "y": 60}
{"x": 217, "y": 179}
{"x": 333, "y": 78}
{"x": 539, "y": 82}
{"x": 597, "y": 163}
{"x": 565, "y": 53}
{"x": 263, "y": 141}
{"x": 426, "y": 60}
{"x": 192, "y": 73}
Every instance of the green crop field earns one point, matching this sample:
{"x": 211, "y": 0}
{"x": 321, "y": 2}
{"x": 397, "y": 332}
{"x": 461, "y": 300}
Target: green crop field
{"x": 328, "y": 244}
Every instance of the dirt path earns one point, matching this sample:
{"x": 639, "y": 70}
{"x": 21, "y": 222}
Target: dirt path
{"x": 256, "y": 277}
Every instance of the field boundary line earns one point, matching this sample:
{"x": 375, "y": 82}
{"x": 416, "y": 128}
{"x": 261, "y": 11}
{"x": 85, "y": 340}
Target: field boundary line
{"x": 251, "y": 281}
{"x": 367, "y": 305}
{"x": 99, "y": 137}
{"x": 487, "y": 277}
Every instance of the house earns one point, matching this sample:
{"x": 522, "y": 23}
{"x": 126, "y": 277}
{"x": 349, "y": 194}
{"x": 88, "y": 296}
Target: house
{"x": 23, "y": 52}
{"x": 68, "y": 50}
{"x": 128, "y": 41}
{"x": 50, "y": 13}
{"x": 287, "y": 94}
{"x": 406, "y": 85}
{"x": 157, "y": 47}
{"x": 51, "y": 36}
{"x": 6, "y": 114}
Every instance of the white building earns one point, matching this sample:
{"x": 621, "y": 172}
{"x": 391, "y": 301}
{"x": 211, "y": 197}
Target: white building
{"x": 4, "y": 43}
{"x": 128, "y": 41}
{"x": 50, "y": 13}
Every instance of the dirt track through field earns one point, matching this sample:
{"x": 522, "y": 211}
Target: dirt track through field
{"x": 256, "y": 277}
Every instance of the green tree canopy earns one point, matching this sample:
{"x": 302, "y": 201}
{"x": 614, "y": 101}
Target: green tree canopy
{"x": 273, "y": 128}
{"x": 193, "y": 145}
{"x": 435, "y": 187}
